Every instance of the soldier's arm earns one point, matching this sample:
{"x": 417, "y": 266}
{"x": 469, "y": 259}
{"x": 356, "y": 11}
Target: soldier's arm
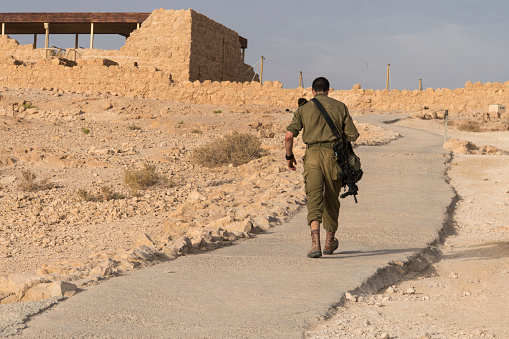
{"x": 289, "y": 151}
{"x": 349, "y": 127}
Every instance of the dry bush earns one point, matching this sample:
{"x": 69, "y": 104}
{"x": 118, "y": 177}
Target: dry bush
{"x": 144, "y": 178}
{"x": 106, "y": 193}
{"x": 29, "y": 184}
{"x": 469, "y": 126}
{"x": 234, "y": 148}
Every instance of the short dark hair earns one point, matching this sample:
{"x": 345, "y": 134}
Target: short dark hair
{"x": 321, "y": 85}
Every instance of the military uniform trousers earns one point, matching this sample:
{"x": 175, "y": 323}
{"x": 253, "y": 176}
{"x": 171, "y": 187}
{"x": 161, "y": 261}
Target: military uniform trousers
{"x": 322, "y": 185}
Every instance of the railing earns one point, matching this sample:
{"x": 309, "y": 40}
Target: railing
{"x": 57, "y": 52}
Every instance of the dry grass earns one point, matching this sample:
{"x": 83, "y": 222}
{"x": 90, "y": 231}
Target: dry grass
{"x": 141, "y": 179}
{"x": 469, "y": 126}
{"x": 234, "y": 148}
{"x": 105, "y": 194}
{"x": 28, "y": 182}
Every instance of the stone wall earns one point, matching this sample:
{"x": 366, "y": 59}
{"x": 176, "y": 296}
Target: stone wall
{"x": 215, "y": 52}
{"x": 115, "y": 72}
{"x": 185, "y": 44}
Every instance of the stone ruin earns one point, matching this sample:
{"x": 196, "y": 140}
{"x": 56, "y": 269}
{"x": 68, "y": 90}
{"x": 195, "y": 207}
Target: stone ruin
{"x": 183, "y": 56}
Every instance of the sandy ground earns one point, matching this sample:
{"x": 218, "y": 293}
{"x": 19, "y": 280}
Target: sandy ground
{"x": 464, "y": 294}
{"x": 42, "y": 131}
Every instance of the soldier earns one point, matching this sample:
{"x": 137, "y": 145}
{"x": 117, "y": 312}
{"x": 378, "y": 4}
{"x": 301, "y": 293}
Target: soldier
{"x": 321, "y": 171}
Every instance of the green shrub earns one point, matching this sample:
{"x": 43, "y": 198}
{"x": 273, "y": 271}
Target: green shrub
{"x": 85, "y": 130}
{"x": 218, "y": 111}
{"x": 197, "y": 131}
{"x": 234, "y": 148}
{"x": 28, "y": 105}
{"x": 134, "y": 128}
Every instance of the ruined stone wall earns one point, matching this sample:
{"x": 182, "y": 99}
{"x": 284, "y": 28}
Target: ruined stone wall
{"x": 163, "y": 41}
{"x": 215, "y": 52}
{"x": 21, "y": 66}
{"x": 11, "y": 49}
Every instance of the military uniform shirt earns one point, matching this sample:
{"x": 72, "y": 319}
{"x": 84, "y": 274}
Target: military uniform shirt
{"x": 315, "y": 129}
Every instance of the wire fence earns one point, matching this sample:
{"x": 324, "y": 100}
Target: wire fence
{"x": 366, "y": 72}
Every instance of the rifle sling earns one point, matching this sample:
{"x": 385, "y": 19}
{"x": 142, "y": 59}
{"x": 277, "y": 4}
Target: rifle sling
{"x": 327, "y": 118}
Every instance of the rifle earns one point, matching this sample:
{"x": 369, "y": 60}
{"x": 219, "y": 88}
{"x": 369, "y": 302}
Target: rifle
{"x": 343, "y": 151}
{"x": 348, "y": 176}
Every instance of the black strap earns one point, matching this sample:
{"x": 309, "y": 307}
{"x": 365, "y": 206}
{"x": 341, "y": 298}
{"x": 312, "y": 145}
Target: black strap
{"x": 327, "y": 118}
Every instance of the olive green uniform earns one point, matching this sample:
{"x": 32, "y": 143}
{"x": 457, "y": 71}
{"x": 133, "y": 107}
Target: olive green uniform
{"x": 321, "y": 171}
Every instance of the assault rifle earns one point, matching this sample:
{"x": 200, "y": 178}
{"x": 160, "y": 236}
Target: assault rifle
{"x": 349, "y": 176}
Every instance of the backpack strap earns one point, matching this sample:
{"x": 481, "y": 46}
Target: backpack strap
{"x": 327, "y": 118}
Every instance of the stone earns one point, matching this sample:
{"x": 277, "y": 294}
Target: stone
{"x": 144, "y": 240}
{"x": 410, "y": 290}
{"x": 351, "y": 297}
{"x": 7, "y": 180}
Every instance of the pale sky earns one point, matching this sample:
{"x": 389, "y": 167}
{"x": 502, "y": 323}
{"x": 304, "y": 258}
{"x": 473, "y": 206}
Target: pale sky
{"x": 444, "y": 42}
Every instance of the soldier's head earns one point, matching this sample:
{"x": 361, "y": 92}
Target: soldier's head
{"x": 320, "y": 85}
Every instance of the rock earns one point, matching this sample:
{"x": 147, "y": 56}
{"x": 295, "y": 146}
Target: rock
{"x": 7, "y": 180}
{"x": 390, "y": 290}
{"x": 351, "y": 297}
{"x": 144, "y": 240}
{"x": 180, "y": 245}
{"x": 195, "y": 196}
{"x": 104, "y": 269}
{"x": 50, "y": 290}
{"x": 410, "y": 290}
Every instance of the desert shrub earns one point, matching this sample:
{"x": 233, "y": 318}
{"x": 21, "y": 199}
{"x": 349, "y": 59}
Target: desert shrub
{"x": 105, "y": 194}
{"x": 141, "y": 179}
{"x": 218, "y": 111}
{"x": 28, "y": 182}
{"x": 28, "y": 105}
{"x": 197, "y": 131}
{"x": 234, "y": 148}
{"x": 85, "y": 130}
{"x": 469, "y": 126}
{"x": 134, "y": 128}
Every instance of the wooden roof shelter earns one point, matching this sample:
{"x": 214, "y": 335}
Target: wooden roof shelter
{"x": 75, "y": 23}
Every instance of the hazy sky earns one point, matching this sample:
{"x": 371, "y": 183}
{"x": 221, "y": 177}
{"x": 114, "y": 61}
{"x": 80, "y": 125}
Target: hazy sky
{"x": 444, "y": 42}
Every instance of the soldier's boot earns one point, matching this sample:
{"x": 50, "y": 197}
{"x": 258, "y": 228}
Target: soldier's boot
{"x": 316, "y": 249}
{"x": 331, "y": 243}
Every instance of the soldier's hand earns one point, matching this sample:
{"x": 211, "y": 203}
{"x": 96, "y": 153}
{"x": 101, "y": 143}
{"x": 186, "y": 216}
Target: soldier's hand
{"x": 291, "y": 164}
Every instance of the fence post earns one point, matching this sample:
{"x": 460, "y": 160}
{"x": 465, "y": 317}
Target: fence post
{"x": 388, "y": 75}
{"x": 446, "y": 115}
{"x": 261, "y": 71}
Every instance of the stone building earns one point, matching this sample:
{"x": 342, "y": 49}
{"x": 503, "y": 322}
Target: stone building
{"x": 183, "y": 43}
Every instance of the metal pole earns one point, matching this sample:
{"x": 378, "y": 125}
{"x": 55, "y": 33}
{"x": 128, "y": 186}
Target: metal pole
{"x": 76, "y": 41}
{"x": 138, "y": 25}
{"x": 300, "y": 79}
{"x": 261, "y": 71}
{"x": 35, "y": 41}
{"x": 420, "y": 84}
{"x": 446, "y": 115}
{"x": 92, "y": 35}
{"x": 388, "y": 75}
{"x": 46, "y": 41}
{"x": 3, "y": 28}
